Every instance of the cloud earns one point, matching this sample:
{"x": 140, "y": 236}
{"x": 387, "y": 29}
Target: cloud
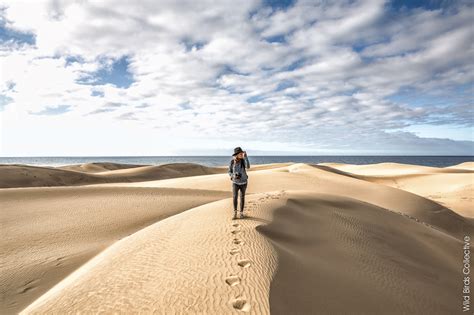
{"x": 114, "y": 72}
{"x": 107, "y": 107}
{"x": 312, "y": 74}
{"x": 13, "y": 39}
{"x": 127, "y": 116}
{"x": 4, "y": 101}
{"x": 53, "y": 110}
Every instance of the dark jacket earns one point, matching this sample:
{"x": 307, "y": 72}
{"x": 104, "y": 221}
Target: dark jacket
{"x": 239, "y": 167}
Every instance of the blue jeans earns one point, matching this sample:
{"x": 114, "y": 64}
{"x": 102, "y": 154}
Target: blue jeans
{"x": 235, "y": 191}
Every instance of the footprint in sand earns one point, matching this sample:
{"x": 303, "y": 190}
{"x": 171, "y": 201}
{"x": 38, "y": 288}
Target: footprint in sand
{"x": 235, "y": 232}
{"x": 240, "y": 304}
{"x": 29, "y": 286}
{"x": 236, "y": 225}
{"x": 234, "y": 251}
{"x": 232, "y": 280}
{"x": 238, "y": 241}
{"x": 244, "y": 263}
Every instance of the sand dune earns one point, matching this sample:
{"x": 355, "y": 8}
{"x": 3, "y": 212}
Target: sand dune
{"x": 465, "y": 165}
{"x": 49, "y": 232}
{"x": 98, "y": 167}
{"x": 318, "y": 178}
{"x": 320, "y": 238}
{"x": 338, "y": 255}
{"x": 33, "y": 176}
{"x": 196, "y": 262}
{"x": 452, "y": 187}
{"x": 327, "y": 248}
{"x": 386, "y": 169}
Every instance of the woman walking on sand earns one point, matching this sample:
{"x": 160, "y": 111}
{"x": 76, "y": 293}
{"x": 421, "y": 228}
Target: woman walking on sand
{"x": 238, "y": 175}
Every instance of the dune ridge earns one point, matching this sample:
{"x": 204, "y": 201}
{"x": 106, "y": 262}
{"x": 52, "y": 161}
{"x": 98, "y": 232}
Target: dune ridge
{"x": 48, "y": 232}
{"x": 18, "y": 175}
{"x": 15, "y": 176}
{"x": 321, "y": 179}
{"x": 98, "y": 167}
{"x": 464, "y": 165}
{"x": 324, "y": 248}
{"x": 452, "y": 186}
{"x": 221, "y": 268}
{"x": 341, "y": 256}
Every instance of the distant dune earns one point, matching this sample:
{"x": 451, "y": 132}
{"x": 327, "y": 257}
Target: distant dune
{"x": 98, "y": 167}
{"x": 93, "y": 173}
{"x": 322, "y": 238}
{"x": 465, "y": 165}
{"x": 451, "y": 186}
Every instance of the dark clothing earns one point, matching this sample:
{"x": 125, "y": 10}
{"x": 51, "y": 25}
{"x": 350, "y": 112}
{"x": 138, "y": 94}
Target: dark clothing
{"x": 235, "y": 191}
{"x": 239, "y": 183}
{"x": 239, "y": 168}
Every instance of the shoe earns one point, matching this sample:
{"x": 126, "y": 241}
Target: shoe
{"x": 241, "y": 214}
{"x": 235, "y": 215}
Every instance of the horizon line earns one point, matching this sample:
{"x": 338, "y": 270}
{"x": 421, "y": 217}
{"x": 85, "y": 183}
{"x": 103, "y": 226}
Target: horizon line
{"x": 301, "y": 155}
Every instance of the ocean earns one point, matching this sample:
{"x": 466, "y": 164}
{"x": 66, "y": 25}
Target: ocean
{"x": 436, "y": 161}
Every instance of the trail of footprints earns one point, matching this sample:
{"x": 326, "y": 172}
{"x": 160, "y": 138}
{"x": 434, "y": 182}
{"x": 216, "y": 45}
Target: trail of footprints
{"x": 240, "y": 303}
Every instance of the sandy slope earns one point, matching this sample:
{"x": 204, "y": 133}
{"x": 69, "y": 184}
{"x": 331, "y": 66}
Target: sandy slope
{"x": 384, "y": 169}
{"x": 196, "y": 262}
{"x": 465, "y": 165}
{"x": 330, "y": 254}
{"x": 321, "y": 179}
{"x": 452, "y": 186}
{"x": 98, "y": 167}
{"x": 34, "y": 176}
{"x": 49, "y": 232}
{"x": 318, "y": 236}
{"x": 338, "y": 255}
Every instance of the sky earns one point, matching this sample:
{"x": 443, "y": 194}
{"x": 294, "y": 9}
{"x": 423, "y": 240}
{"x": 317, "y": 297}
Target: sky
{"x": 130, "y": 78}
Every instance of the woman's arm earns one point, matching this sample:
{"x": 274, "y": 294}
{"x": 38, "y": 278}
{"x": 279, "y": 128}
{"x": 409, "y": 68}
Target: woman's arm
{"x": 247, "y": 163}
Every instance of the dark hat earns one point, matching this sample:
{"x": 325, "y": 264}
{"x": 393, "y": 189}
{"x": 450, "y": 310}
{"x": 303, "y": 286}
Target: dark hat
{"x": 237, "y": 151}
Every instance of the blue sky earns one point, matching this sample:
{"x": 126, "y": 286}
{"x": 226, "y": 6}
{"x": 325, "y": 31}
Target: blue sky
{"x": 179, "y": 77}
